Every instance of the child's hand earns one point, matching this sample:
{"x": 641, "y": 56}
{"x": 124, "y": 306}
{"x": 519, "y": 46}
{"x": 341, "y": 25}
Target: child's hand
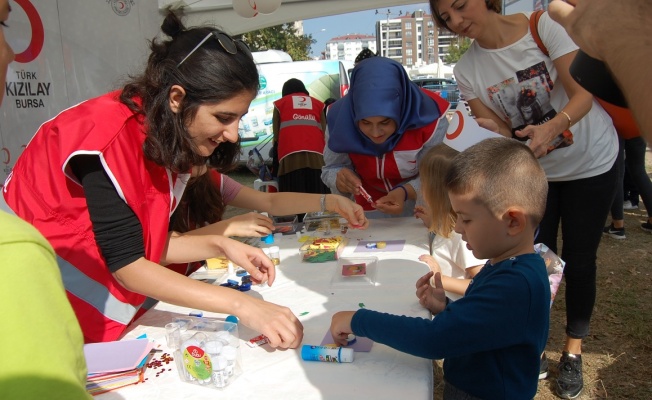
{"x": 341, "y": 326}
{"x": 422, "y": 213}
{"x": 431, "y": 298}
{"x": 392, "y": 203}
{"x": 432, "y": 263}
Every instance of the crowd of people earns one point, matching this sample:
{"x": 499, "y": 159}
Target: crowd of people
{"x": 137, "y": 186}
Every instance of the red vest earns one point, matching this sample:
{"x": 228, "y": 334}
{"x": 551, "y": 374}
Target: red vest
{"x": 379, "y": 175}
{"x": 300, "y": 128}
{"x": 42, "y": 190}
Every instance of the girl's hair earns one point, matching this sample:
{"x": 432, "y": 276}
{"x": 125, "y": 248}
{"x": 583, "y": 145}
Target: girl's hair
{"x": 432, "y": 173}
{"x": 494, "y": 5}
{"x": 211, "y": 75}
{"x": 201, "y": 203}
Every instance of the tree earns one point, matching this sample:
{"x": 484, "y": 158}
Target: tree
{"x": 456, "y": 50}
{"x": 280, "y": 37}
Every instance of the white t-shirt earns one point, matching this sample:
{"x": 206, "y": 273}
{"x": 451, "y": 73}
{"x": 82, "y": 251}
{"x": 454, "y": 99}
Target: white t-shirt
{"x": 519, "y": 81}
{"x": 453, "y": 258}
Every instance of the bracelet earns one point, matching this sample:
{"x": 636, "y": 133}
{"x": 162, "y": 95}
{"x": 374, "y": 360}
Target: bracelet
{"x": 404, "y": 190}
{"x": 570, "y": 121}
{"x": 322, "y": 202}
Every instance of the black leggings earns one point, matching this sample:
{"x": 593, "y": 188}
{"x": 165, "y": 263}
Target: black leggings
{"x": 582, "y": 207}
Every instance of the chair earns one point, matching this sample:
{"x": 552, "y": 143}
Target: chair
{"x": 266, "y": 186}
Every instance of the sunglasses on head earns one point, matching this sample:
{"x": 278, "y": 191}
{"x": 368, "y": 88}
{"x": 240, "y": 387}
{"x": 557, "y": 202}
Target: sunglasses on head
{"x": 229, "y": 45}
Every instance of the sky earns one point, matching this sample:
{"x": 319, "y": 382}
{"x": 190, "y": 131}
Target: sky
{"x": 324, "y": 29}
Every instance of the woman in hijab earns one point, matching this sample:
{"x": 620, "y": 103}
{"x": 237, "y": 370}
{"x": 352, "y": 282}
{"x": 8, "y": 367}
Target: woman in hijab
{"x": 377, "y": 134}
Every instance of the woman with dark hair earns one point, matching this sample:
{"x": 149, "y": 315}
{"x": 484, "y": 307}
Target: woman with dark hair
{"x": 101, "y": 180}
{"x": 299, "y": 124}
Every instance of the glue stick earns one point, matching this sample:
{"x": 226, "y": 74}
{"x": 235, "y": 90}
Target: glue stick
{"x": 326, "y": 354}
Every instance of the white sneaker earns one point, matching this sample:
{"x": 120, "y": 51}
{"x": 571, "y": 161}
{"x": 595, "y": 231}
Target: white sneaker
{"x": 627, "y": 205}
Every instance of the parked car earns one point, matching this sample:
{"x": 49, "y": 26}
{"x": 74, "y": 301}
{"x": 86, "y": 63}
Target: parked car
{"x": 446, "y": 88}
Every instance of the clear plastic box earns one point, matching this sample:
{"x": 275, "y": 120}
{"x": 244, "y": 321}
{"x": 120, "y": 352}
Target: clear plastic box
{"x": 208, "y": 353}
{"x": 285, "y": 224}
{"x": 322, "y": 222}
{"x": 322, "y": 249}
{"x": 354, "y": 271}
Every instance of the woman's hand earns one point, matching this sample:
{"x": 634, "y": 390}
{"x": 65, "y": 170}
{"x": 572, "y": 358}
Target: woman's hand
{"x": 540, "y": 137}
{"x": 353, "y": 212}
{"x": 392, "y": 203}
{"x": 252, "y": 259}
{"x": 251, "y": 224}
{"x": 348, "y": 181}
{"x": 277, "y": 323}
{"x": 431, "y": 298}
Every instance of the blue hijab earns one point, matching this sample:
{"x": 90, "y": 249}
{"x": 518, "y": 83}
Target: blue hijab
{"x": 379, "y": 87}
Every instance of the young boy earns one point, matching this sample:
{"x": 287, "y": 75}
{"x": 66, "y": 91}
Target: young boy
{"x": 491, "y": 340}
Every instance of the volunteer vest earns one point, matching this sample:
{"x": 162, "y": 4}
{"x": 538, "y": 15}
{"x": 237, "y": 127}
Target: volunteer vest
{"x": 379, "y": 175}
{"x": 42, "y": 190}
{"x": 300, "y": 125}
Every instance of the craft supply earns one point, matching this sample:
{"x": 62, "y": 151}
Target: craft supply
{"x": 344, "y": 225}
{"x": 258, "y": 341}
{"x": 173, "y": 335}
{"x": 274, "y": 254}
{"x": 350, "y": 339}
{"x": 326, "y": 354}
{"x": 366, "y": 195}
{"x": 371, "y": 245}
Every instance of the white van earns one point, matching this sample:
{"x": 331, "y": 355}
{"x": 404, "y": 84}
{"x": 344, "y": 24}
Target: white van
{"x": 323, "y": 79}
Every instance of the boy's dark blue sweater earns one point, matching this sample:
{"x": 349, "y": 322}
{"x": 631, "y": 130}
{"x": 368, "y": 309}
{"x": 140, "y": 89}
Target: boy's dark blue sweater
{"x": 491, "y": 339}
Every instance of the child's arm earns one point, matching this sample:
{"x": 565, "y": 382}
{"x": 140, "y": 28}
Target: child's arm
{"x": 431, "y": 298}
{"x": 453, "y": 285}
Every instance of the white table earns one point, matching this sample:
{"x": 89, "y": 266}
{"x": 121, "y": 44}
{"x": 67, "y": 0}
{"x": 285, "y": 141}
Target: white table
{"x": 382, "y": 373}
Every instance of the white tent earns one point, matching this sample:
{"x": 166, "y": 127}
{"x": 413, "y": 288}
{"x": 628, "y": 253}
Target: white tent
{"x": 221, "y": 12}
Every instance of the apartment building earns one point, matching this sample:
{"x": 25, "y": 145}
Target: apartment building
{"x": 412, "y": 39}
{"x": 347, "y": 47}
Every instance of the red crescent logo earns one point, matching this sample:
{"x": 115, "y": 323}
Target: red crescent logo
{"x": 122, "y": 4}
{"x": 38, "y": 33}
{"x": 8, "y": 155}
{"x": 303, "y": 98}
{"x": 460, "y": 126}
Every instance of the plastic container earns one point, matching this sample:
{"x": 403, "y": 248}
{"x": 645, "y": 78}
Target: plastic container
{"x": 209, "y": 353}
{"x": 355, "y": 272}
{"x": 321, "y": 222}
{"x": 286, "y": 224}
{"x": 275, "y": 255}
{"x": 322, "y": 249}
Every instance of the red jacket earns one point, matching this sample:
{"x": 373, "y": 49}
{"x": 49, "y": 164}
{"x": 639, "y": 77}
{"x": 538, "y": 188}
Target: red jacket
{"x": 42, "y": 190}
{"x": 300, "y": 128}
{"x": 379, "y": 175}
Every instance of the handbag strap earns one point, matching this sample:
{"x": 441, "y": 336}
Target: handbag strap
{"x": 534, "y": 31}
